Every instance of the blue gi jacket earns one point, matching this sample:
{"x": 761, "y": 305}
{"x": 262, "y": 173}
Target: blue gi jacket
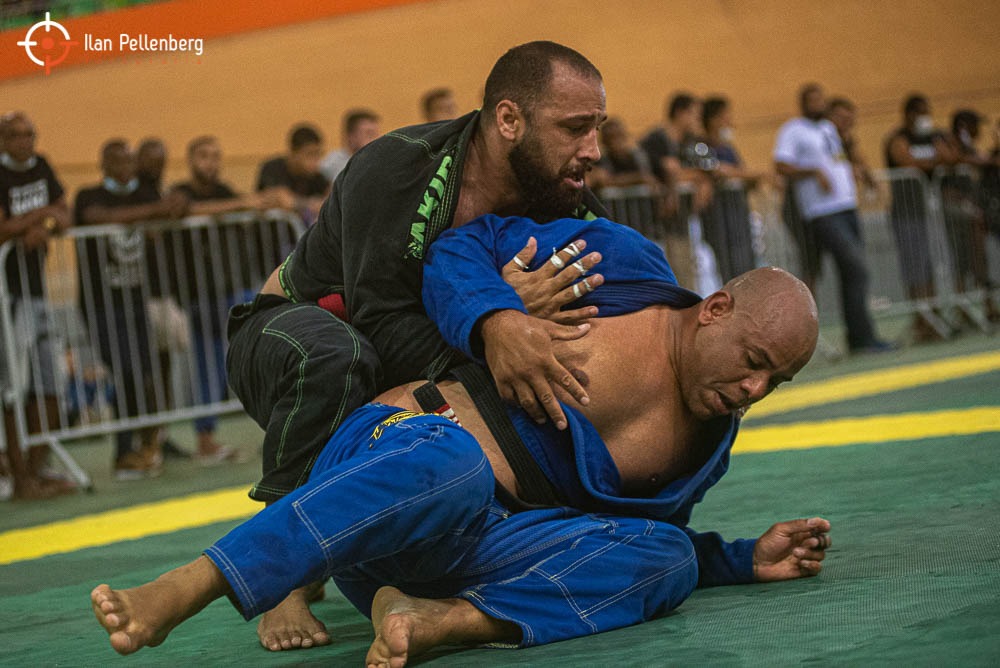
{"x": 462, "y": 283}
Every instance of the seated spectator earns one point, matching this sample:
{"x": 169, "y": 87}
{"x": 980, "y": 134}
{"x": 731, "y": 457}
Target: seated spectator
{"x": 361, "y": 126}
{"x": 438, "y": 104}
{"x": 299, "y": 172}
{"x": 964, "y": 217}
{"x": 917, "y": 145}
{"x": 622, "y": 163}
{"x": 112, "y": 271}
{"x": 32, "y": 210}
{"x": 844, "y": 115}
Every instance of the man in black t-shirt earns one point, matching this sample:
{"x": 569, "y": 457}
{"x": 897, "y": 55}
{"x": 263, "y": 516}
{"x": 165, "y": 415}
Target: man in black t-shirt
{"x": 113, "y": 270}
{"x": 32, "y": 209}
{"x": 223, "y": 266}
{"x": 299, "y": 172}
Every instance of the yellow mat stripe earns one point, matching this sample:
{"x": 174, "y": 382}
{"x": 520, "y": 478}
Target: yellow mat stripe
{"x": 231, "y": 504}
{"x": 869, "y": 383}
{"x": 129, "y": 523}
{"x": 875, "y": 429}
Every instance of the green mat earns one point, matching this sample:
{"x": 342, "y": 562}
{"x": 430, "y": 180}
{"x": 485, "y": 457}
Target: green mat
{"x": 913, "y": 578}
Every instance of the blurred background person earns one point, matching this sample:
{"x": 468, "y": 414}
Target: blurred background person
{"x": 844, "y": 115}
{"x": 112, "y": 272}
{"x": 727, "y": 221}
{"x": 360, "y": 127}
{"x": 808, "y": 152}
{"x": 32, "y": 210}
{"x": 151, "y": 161}
{"x": 965, "y": 219}
{"x": 438, "y": 104}
{"x": 622, "y": 162}
{"x": 299, "y": 172}
{"x": 918, "y": 145}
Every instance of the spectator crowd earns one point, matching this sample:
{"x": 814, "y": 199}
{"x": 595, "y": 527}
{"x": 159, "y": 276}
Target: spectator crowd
{"x": 140, "y": 297}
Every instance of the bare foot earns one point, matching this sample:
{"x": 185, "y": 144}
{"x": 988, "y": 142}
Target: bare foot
{"x": 143, "y": 616}
{"x": 291, "y": 625}
{"x": 406, "y": 626}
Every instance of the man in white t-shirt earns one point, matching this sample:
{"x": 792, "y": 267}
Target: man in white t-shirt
{"x": 808, "y": 152}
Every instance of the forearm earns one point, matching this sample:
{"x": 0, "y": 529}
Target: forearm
{"x": 139, "y": 213}
{"x": 794, "y": 172}
{"x": 721, "y": 562}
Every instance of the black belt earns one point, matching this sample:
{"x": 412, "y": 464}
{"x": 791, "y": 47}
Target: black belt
{"x": 535, "y": 488}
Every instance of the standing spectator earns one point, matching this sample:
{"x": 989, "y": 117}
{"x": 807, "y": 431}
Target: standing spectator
{"x": 299, "y": 172}
{"x": 717, "y": 120}
{"x": 809, "y": 153}
{"x": 111, "y": 285}
{"x": 151, "y": 160}
{"x": 216, "y": 264}
{"x": 666, "y": 147}
{"x": 622, "y": 163}
{"x": 989, "y": 185}
{"x": 843, "y": 114}
{"x": 688, "y": 189}
{"x": 361, "y": 127}
{"x": 32, "y": 210}
{"x": 438, "y": 104}
{"x": 964, "y": 217}
{"x": 917, "y": 145}
{"x": 168, "y": 325}
{"x": 727, "y": 221}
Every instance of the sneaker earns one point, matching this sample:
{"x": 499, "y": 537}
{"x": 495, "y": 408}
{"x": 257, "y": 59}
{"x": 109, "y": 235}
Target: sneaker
{"x": 6, "y": 487}
{"x": 133, "y": 466}
{"x": 222, "y": 455}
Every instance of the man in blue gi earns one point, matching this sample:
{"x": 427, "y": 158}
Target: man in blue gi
{"x": 423, "y": 524}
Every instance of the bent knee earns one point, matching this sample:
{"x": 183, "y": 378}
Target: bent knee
{"x": 672, "y": 564}
{"x": 450, "y": 458}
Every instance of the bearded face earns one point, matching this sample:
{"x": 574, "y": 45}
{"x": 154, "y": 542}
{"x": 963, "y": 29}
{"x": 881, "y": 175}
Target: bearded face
{"x": 551, "y": 188}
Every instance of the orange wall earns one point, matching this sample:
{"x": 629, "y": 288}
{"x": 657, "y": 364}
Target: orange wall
{"x": 249, "y": 88}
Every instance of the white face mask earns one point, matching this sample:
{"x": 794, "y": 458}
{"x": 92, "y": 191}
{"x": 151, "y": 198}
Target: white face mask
{"x": 923, "y": 125}
{"x": 726, "y": 134}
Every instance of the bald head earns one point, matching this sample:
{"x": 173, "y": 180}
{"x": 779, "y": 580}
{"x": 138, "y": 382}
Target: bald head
{"x": 779, "y": 301}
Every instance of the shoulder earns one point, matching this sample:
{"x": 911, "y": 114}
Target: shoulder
{"x": 274, "y": 164}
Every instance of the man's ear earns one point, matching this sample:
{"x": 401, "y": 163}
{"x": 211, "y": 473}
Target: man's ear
{"x": 716, "y": 306}
{"x": 510, "y": 120}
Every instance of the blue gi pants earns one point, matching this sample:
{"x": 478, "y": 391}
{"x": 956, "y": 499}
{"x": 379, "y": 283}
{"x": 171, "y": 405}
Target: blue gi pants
{"x": 408, "y": 499}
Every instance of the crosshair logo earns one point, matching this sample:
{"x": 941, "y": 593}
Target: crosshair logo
{"x": 48, "y": 46}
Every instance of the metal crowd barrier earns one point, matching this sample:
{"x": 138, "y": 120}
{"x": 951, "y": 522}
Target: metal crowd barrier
{"x": 705, "y": 248}
{"x": 133, "y": 322}
{"x": 927, "y": 251}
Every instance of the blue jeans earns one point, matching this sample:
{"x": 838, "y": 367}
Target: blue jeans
{"x": 840, "y": 234}
{"x": 208, "y": 326}
{"x": 408, "y": 500}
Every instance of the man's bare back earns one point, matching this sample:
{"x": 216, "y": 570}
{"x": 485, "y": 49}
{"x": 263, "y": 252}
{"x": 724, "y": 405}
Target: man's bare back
{"x": 635, "y": 407}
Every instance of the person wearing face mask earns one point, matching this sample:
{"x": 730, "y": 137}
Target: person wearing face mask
{"x": 112, "y": 298}
{"x": 965, "y": 218}
{"x": 32, "y": 211}
{"x": 809, "y": 154}
{"x": 727, "y": 219}
{"x": 919, "y": 145}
